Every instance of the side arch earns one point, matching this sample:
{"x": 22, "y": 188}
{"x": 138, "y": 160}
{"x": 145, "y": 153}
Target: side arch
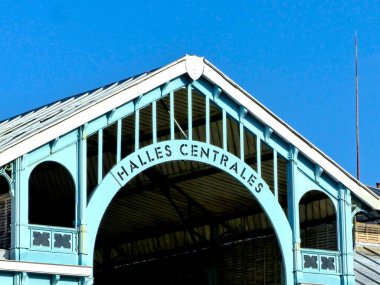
{"x": 318, "y": 217}
{"x": 51, "y": 200}
{"x": 162, "y": 152}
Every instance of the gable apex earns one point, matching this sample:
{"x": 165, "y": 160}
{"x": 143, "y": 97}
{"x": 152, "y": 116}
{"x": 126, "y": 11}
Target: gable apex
{"x": 27, "y": 132}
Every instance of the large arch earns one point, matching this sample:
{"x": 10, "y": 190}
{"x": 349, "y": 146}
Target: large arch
{"x": 166, "y": 151}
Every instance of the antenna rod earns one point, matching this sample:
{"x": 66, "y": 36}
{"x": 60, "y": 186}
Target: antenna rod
{"x": 357, "y": 110}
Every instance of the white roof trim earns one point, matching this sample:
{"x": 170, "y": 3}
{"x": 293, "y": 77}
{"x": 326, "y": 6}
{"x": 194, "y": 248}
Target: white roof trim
{"x": 291, "y": 136}
{"x": 191, "y": 64}
{"x": 152, "y": 81}
{"x": 44, "y": 268}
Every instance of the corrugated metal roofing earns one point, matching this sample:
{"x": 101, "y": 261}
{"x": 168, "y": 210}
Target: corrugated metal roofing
{"x": 74, "y": 111}
{"x": 367, "y": 263}
{"x": 375, "y": 190}
{"x": 23, "y": 126}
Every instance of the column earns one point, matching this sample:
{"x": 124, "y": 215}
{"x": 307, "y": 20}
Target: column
{"x": 293, "y": 210}
{"x": 345, "y": 236}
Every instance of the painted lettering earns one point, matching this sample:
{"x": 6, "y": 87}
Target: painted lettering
{"x": 141, "y": 161}
{"x": 234, "y": 167}
{"x": 121, "y": 173}
{"x": 149, "y": 158}
{"x": 251, "y": 180}
{"x": 168, "y": 151}
{"x": 205, "y": 152}
{"x": 181, "y": 149}
{"x": 223, "y": 160}
{"x": 158, "y": 152}
{"x": 242, "y": 174}
{"x": 215, "y": 154}
{"x": 146, "y": 157}
{"x": 133, "y": 166}
{"x": 259, "y": 187}
{"x": 194, "y": 150}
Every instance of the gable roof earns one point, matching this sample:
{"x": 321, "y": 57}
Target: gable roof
{"x": 26, "y": 132}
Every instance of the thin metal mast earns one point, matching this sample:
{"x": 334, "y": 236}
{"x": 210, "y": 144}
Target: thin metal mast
{"x": 357, "y": 110}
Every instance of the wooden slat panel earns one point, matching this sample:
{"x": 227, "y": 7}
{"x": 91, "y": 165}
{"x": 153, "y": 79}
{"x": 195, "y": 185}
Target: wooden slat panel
{"x": 5, "y": 221}
{"x": 367, "y": 233}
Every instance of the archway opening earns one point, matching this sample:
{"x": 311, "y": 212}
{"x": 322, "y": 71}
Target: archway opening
{"x": 51, "y": 195}
{"x": 185, "y": 222}
{"x": 318, "y": 221}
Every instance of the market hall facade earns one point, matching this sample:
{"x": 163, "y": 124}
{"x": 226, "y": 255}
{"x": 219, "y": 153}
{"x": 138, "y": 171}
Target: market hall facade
{"x": 177, "y": 176}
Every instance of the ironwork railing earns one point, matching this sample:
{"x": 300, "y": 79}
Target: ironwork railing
{"x": 53, "y": 239}
{"x": 322, "y": 261}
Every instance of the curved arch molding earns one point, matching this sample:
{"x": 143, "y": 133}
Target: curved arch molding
{"x": 162, "y": 152}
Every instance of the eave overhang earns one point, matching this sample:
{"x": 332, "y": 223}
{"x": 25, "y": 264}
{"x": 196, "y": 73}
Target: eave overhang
{"x": 195, "y": 67}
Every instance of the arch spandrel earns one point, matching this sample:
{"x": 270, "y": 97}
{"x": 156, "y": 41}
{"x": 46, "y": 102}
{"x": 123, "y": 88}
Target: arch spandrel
{"x": 167, "y": 151}
{"x": 307, "y": 184}
{"x": 64, "y": 140}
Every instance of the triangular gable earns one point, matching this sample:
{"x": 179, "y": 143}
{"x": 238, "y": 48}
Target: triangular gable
{"x": 26, "y": 133}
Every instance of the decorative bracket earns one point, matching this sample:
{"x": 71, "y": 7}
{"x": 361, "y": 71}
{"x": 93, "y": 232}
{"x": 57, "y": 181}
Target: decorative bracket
{"x": 110, "y": 114}
{"x": 84, "y": 131}
{"x": 164, "y": 88}
{"x": 87, "y": 281}
{"x": 24, "y": 278}
{"x": 342, "y": 192}
{"x": 52, "y": 144}
{"x": 293, "y": 153}
{"x": 317, "y": 172}
{"x": 54, "y": 279}
{"x": 137, "y": 101}
{"x": 267, "y": 133}
{"x": 216, "y": 92}
{"x": 242, "y": 113}
{"x": 5, "y": 171}
{"x": 356, "y": 210}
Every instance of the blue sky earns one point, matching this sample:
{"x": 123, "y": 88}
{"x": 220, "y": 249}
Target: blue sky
{"x": 297, "y": 58}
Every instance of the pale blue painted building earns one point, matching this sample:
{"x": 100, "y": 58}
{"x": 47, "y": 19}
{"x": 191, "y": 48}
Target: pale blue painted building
{"x": 174, "y": 176}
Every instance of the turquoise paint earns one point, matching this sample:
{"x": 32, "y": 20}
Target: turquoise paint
{"x": 241, "y": 139}
{"x": 100, "y": 156}
{"x": 118, "y": 141}
{"x": 345, "y": 235}
{"x": 306, "y": 184}
{"x": 137, "y": 130}
{"x": 172, "y": 116}
{"x": 99, "y": 123}
{"x": 316, "y": 278}
{"x": 13, "y": 278}
{"x": 16, "y": 217}
{"x": 70, "y": 151}
{"x": 258, "y": 155}
{"x": 7, "y": 278}
{"x": 224, "y": 132}
{"x": 82, "y": 193}
{"x": 154, "y": 121}
{"x": 319, "y": 254}
{"x": 174, "y": 85}
{"x": 207, "y": 103}
{"x": 293, "y": 209}
{"x": 326, "y": 185}
{"x": 189, "y": 112}
{"x": 195, "y": 151}
{"x": 275, "y": 174}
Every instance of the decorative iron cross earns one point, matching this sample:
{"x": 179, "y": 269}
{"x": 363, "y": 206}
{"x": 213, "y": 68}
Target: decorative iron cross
{"x": 62, "y": 241}
{"x": 328, "y": 263}
{"x": 41, "y": 238}
{"x": 310, "y": 261}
